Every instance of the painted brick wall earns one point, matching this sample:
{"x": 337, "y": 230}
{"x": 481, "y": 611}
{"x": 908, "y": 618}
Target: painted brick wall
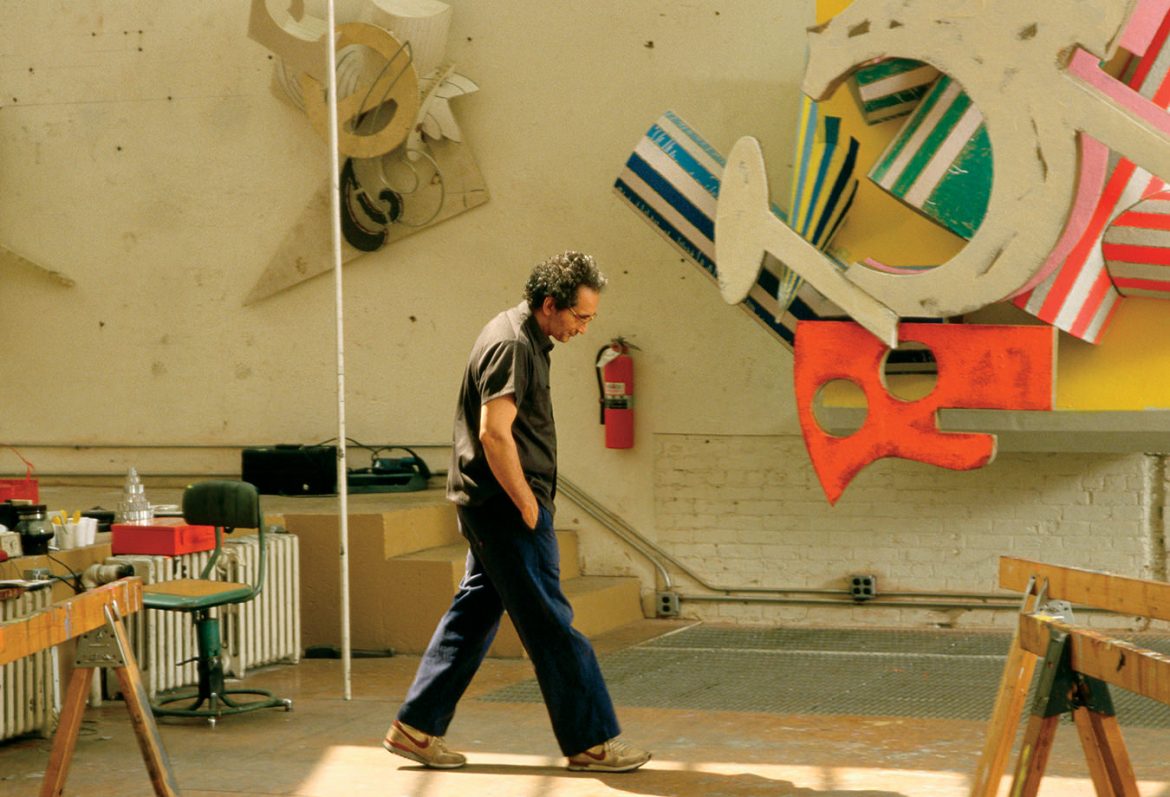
{"x": 748, "y": 511}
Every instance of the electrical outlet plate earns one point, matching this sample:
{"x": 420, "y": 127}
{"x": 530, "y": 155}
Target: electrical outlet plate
{"x": 863, "y": 587}
{"x": 668, "y": 603}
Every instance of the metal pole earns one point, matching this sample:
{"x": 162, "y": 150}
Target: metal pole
{"x": 335, "y": 214}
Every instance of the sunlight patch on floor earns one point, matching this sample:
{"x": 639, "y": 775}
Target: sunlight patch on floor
{"x": 359, "y": 771}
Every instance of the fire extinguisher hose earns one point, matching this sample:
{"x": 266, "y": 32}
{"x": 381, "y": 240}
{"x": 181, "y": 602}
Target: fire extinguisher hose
{"x": 600, "y": 385}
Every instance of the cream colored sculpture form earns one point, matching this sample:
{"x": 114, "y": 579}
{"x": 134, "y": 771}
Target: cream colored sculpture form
{"x": 1031, "y": 67}
{"x": 396, "y": 85}
{"x": 746, "y": 230}
{"x": 295, "y": 35}
{"x": 396, "y": 127}
{"x": 293, "y": 29}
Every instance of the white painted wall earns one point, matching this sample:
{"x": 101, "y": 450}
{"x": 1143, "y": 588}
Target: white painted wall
{"x": 747, "y": 512}
{"x": 145, "y": 157}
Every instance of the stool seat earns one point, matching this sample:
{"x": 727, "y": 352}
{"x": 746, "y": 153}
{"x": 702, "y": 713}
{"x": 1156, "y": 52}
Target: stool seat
{"x": 192, "y": 594}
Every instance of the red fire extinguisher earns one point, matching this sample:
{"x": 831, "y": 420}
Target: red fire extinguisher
{"x": 615, "y": 380}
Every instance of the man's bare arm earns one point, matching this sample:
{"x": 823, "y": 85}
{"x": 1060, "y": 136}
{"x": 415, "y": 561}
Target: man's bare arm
{"x": 495, "y": 435}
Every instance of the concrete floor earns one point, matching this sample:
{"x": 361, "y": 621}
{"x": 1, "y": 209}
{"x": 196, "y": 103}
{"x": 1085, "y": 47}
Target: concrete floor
{"x": 329, "y": 747}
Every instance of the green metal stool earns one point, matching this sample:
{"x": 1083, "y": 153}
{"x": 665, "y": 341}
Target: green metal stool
{"x": 227, "y": 505}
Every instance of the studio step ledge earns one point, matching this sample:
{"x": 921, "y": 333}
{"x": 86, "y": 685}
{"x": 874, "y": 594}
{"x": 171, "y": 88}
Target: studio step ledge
{"x": 420, "y": 586}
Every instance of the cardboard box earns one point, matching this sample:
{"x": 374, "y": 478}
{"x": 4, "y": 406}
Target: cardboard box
{"x": 165, "y": 536}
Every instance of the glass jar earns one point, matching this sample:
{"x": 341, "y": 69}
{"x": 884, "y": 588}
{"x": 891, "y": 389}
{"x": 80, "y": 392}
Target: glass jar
{"x": 35, "y": 530}
{"x": 134, "y": 508}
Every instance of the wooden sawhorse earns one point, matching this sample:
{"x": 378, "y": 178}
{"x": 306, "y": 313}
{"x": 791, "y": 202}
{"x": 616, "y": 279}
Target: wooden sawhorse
{"x": 95, "y": 619}
{"x": 1078, "y": 665}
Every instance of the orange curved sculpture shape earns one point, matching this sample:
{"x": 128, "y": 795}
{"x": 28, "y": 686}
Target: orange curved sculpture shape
{"x": 979, "y": 367}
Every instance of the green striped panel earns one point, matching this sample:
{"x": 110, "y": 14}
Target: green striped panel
{"x": 891, "y": 87}
{"x": 940, "y": 162}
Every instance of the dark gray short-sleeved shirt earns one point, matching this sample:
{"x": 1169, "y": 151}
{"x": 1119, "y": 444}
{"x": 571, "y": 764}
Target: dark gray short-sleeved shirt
{"x": 510, "y": 357}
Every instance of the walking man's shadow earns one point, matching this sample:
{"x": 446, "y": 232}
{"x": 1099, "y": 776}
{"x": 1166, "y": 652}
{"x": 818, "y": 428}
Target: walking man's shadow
{"x": 650, "y": 782}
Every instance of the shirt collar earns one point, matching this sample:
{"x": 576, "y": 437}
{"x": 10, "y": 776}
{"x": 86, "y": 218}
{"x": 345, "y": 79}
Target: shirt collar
{"x": 541, "y": 340}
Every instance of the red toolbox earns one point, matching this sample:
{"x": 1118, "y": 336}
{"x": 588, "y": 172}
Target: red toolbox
{"x": 165, "y": 536}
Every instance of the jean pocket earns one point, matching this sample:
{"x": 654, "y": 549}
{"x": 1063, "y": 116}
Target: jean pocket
{"x": 544, "y": 519}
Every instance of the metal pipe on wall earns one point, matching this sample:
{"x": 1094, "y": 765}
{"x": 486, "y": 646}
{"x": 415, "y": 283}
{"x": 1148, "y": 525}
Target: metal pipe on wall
{"x": 618, "y": 527}
{"x": 1154, "y": 538}
{"x": 1014, "y": 604}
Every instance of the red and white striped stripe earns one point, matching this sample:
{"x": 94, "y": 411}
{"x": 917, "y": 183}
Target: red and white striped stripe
{"x": 1136, "y": 248}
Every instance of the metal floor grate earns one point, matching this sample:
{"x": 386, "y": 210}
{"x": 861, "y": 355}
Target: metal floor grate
{"x": 942, "y": 674}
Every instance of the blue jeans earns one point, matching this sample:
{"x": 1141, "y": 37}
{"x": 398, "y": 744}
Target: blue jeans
{"x": 512, "y": 567}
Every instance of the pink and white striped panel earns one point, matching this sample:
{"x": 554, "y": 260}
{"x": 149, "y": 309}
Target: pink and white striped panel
{"x": 1136, "y": 247}
{"x": 1079, "y": 296}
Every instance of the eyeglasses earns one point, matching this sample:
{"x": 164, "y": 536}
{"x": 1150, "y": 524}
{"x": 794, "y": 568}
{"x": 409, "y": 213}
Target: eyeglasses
{"x": 584, "y": 319}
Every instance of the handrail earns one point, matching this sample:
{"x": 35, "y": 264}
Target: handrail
{"x": 619, "y": 527}
{"x": 656, "y": 555}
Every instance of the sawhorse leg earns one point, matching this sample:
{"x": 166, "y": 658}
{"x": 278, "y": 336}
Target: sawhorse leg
{"x": 65, "y": 739}
{"x": 107, "y": 647}
{"x": 1109, "y": 763}
{"x": 1062, "y": 690}
{"x": 1005, "y": 717}
{"x": 1108, "y": 760}
{"x": 1034, "y": 751}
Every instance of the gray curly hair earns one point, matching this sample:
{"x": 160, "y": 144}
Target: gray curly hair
{"x": 560, "y": 276}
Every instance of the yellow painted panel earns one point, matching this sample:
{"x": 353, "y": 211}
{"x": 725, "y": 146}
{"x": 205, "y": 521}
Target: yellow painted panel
{"x": 1128, "y": 370}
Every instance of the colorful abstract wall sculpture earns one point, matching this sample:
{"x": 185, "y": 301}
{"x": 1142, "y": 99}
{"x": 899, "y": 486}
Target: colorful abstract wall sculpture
{"x": 979, "y": 367}
{"x": 1035, "y": 107}
{"x": 673, "y": 178}
{"x": 1136, "y": 248}
{"x": 1011, "y": 120}
{"x": 940, "y": 163}
{"x": 405, "y": 166}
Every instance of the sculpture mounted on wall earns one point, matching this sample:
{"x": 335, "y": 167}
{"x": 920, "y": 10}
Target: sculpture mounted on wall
{"x": 405, "y": 164}
{"x": 1009, "y": 119}
{"x": 940, "y": 164}
{"x": 1008, "y": 57}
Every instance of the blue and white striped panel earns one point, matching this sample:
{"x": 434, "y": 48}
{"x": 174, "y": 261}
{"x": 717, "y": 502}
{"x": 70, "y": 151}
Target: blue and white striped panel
{"x": 672, "y": 178}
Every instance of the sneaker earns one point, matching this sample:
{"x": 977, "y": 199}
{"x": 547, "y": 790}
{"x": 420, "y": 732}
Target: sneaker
{"x": 430, "y": 751}
{"x": 615, "y": 755}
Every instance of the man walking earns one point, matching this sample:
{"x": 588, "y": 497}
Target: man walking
{"x": 502, "y": 479}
